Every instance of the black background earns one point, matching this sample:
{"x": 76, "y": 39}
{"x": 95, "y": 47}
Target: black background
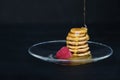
{"x": 26, "y": 22}
{"x": 58, "y": 11}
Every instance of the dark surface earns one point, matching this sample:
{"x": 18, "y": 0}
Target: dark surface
{"x": 17, "y": 64}
{"x": 26, "y": 22}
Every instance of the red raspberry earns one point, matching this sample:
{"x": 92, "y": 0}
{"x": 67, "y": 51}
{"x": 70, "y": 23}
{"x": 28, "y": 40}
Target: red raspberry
{"x": 63, "y": 53}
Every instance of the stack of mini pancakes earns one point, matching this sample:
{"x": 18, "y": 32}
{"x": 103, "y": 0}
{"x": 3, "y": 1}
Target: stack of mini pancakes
{"x": 77, "y": 41}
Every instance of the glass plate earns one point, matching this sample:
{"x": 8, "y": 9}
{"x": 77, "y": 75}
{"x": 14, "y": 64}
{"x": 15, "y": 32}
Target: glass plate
{"x": 47, "y": 50}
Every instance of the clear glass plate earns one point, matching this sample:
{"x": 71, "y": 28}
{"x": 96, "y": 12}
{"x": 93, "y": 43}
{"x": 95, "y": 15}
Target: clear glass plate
{"x": 47, "y": 50}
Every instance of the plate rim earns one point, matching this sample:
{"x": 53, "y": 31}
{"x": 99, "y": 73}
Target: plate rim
{"x": 65, "y": 60}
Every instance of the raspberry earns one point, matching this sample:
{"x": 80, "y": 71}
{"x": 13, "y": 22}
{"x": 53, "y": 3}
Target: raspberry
{"x": 63, "y": 53}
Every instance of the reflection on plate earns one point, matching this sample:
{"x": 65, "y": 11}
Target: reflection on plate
{"x": 47, "y": 50}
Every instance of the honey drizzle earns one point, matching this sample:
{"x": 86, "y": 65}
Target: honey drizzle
{"x": 84, "y": 13}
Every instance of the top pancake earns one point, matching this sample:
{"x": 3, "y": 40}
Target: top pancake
{"x": 81, "y": 30}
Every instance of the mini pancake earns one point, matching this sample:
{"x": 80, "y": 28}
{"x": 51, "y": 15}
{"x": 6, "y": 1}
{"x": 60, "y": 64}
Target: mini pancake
{"x": 79, "y": 30}
{"x": 81, "y": 50}
{"x": 74, "y": 43}
{"x": 84, "y": 54}
{"x": 77, "y": 47}
{"x": 77, "y": 38}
